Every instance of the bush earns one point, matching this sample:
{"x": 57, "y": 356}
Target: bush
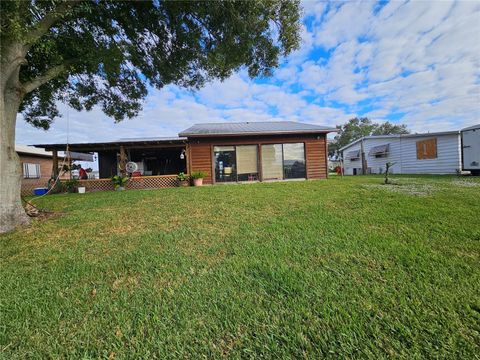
{"x": 181, "y": 177}
{"x": 119, "y": 181}
{"x": 70, "y": 185}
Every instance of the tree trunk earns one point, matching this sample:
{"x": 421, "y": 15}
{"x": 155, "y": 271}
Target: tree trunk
{"x": 12, "y": 213}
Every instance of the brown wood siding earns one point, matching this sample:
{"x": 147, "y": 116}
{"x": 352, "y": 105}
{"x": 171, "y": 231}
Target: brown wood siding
{"x": 316, "y": 159}
{"x": 201, "y": 151}
{"x": 201, "y": 159}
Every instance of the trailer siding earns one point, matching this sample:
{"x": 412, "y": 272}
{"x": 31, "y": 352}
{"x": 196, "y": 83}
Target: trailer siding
{"x": 403, "y": 153}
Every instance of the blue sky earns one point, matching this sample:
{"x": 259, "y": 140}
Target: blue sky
{"x": 416, "y": 63}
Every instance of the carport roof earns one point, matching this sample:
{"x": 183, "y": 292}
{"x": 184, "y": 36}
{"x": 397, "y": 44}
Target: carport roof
{"x": 110, "y": 145}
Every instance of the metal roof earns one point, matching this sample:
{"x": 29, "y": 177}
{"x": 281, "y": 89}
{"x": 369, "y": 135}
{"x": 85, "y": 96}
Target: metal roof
{"x": 473, "y": 127}
{"x": 92, "y": 147}
{"x": 34, "y": 151}
{"x": 253, "y": 128}
{"x": 161, "y": 138}
{"x": 31, "y": 150}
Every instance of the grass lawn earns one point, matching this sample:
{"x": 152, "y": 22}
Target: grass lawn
{"x": 343, "y": 268}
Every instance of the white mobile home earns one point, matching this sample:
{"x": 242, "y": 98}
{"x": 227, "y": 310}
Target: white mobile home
{"x": 431, "y": 153}
{"x": 471, "y": 149}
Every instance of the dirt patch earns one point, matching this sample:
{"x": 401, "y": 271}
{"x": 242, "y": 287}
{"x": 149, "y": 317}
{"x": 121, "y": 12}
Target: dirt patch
{"x": 409, "y": 189}
{"x": 465, "y": 183}
{"x": 126, "y": 282}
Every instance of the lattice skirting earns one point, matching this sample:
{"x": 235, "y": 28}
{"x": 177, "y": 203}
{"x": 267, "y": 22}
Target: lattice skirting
{"x": 29, "y": 185}
{"x": 142, "y": 182}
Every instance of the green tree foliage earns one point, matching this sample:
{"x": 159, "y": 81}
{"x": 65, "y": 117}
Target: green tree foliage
{"x": 359, "y": 127}
{"x": 108, "y": 53}
{"x": 86, "y": 53}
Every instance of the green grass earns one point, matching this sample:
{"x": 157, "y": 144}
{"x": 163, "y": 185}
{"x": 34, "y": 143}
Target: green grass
{"x": 343, "y": 268}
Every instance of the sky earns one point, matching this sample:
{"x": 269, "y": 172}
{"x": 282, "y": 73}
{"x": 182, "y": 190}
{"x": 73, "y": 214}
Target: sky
{"x": 415, "y": 63}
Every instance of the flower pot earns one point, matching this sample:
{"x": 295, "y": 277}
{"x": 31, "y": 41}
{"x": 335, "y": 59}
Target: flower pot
{"x": 81, "y": 189}
{"x": 183, "y": 183}
{"x": 120, "y": 188}
{"x": 197, "y": 182}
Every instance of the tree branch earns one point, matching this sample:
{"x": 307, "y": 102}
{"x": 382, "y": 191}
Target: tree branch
{"x": 49, "y": 75}
{"x": 49, "y": 19}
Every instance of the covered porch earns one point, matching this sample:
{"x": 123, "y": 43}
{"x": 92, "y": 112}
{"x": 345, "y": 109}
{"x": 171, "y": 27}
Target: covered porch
{"x": 158, "y": 161}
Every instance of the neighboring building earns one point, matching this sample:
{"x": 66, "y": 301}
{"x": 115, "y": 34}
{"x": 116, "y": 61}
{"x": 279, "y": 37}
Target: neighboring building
{"x": 228, "y": 152}
{"x": 430, "y": 153}
{"x": 37, "y": 166}
{"x": 471, "y": 149}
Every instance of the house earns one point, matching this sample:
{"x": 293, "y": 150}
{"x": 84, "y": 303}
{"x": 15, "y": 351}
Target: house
{"x": 428, "y": 153}
{"x": 37, "y": 166}
{"x": 227, "y": 152}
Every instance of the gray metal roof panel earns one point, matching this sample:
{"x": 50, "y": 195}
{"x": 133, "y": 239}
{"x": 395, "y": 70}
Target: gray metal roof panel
{"x": 473, "y": 127}
{"x": 127, "y": 141}
{"x": 245, "y": 128}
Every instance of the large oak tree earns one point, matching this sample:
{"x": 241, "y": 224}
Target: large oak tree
{"x": 107, "y": 54}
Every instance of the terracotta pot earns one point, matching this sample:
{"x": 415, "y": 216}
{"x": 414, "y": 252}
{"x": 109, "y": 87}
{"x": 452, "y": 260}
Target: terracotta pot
{"x": 197, "y": 182}
{"x": 183, "y": 183}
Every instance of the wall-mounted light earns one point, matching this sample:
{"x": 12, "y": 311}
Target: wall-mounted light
{"x": 182, "y": 155}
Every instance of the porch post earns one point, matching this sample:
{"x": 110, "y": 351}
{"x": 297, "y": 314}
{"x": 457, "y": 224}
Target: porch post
{"x": 123, "y": 160}
{"x": 55, "y": 163}
{"x": 187, "y": 160}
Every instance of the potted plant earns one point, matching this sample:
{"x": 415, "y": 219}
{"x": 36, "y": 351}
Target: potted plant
{"x": 119, "y": 182}
{"x": 71, "y": 185}
{"x": 197, "y": 177}
{"x": 182, "y": 180}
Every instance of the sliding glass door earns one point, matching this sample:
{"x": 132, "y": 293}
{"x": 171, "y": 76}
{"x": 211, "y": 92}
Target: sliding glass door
{"x": 283, "y": 161}
{"x": 247, "y": 162}
{"x": 240, "y": 162}
{"x": 272, "y": 162}
{"x": 294, "y": 161}
{"x": 225, "y": 160}
{"x": 236, "y": 163}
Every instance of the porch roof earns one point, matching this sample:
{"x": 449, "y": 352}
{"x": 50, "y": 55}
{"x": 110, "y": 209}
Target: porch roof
{"x": 113, "y": 145}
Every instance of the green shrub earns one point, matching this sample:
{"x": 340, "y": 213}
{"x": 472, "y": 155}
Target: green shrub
{"x": 119, "y": 181}
{"x": 198, "y": 174}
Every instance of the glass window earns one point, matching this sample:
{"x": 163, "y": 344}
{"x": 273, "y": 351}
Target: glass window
{"x": 272, "y": 162}
{"x": 236, "y": 163}
{"x": 247, "y": 162}
{"x": 225, "y": 160}
{"x": 31, "y": 171}
{"x": 294, "y": 161}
